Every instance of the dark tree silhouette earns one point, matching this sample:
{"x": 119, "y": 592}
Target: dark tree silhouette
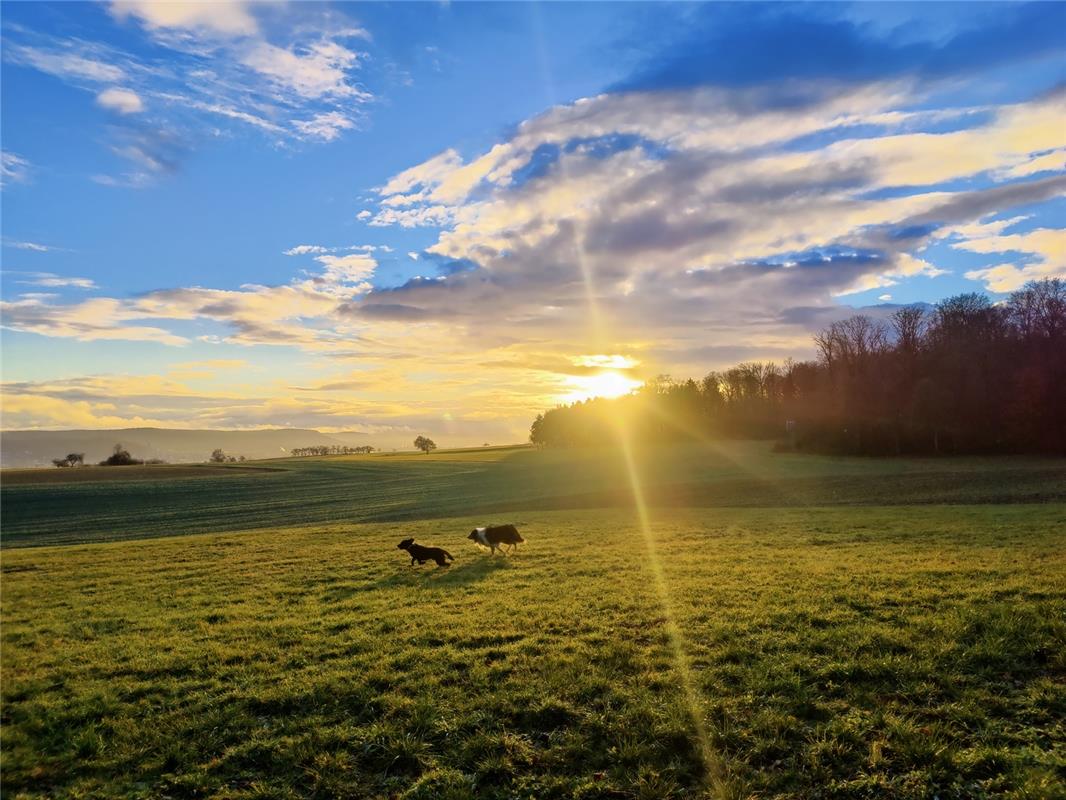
{"x": 120, "y": 457}
{"x": 72, "y": 460}
{"x": 425, "y": 444}
{"x": 331, "y": 450}
{"x": 218, "y": 456}
{"x": 966, "y": 376}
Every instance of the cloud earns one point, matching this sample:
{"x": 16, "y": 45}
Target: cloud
{"x": 121, "y": 100}
{"x": 13, "y": 168}
{"x": 294, "y": 81}
{"x": 655, "y": 215}
{"x": 231, "y": 17}
{"x": 152, "y": 152}
{"x": 740, "y": 46}
{"x": 702, "y": 212}
{"x": 326, "y": 126}
{"x": 318, "y": 70}
{"x": 354, "y": 268}
{"x": 302, "y": 313}
{"x": 70, "y": 60}
{"x": 53, "y": 281}
{"x": 304, "y": 249}
{"x": 1043, "y": 252}
{"x": 33, "y": 246}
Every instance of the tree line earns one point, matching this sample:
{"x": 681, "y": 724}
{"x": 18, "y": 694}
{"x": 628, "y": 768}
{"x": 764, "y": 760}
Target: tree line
{"x": 331, "y": 450}
{"x": 120, "y": 457}
{"x": 964, "y": 376}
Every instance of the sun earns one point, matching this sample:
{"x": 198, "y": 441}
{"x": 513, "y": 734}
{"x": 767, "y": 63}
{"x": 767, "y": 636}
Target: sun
{"x": 608, "y": 383}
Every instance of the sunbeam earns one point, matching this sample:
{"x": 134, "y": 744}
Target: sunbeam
{"x": 712, "y": 767}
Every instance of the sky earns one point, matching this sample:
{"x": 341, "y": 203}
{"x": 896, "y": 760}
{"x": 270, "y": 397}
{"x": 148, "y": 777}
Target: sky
{"x": 442, "y": 218}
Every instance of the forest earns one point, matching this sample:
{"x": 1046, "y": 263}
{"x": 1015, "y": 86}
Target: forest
{"x": 964, "y": 376}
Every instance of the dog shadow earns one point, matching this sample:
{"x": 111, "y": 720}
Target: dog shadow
{"x": 465, "y": 570}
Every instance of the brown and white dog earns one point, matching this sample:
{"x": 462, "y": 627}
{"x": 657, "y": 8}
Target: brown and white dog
{"x": 496, "y": 537}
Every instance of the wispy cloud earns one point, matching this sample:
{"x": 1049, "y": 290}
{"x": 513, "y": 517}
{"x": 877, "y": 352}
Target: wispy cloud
{"x": 70, "y": 59}
{"x": 325, "y": 127}
{"x": 54, "y": 281}
{"x": 13, "y": 168}
{"x": 35, "y": 247}
{"x": 292, "y": 82}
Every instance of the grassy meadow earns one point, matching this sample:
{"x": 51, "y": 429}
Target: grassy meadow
{"x": 53, "y": 506}
{"x": 782, "y": 627}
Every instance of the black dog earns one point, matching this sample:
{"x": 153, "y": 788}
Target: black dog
{"x": 496, "y": 536}
{"x": 422, "y": 554}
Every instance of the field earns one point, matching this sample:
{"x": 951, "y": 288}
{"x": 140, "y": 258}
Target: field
{"x": 57, "y": 507}
{"x": 776, "y": 626}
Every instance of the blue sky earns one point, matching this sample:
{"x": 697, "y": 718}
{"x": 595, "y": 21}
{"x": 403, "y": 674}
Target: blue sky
{"x": 437, "y": 217}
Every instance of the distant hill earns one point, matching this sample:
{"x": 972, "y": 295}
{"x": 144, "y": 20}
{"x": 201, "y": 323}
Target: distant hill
{"x": 38, "y": 448}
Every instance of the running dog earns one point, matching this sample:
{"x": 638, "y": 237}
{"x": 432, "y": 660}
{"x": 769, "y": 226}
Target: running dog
{"x": 422, "y": 554}
{"x": 496, "y": 537}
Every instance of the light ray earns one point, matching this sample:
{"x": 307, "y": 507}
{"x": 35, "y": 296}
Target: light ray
{"x": 713, "y": 767}
{"x": 716, "y": 445}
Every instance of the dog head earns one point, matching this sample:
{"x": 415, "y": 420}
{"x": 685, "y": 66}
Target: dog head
{"x": 406, "y": 544}
{"x": 473, "y": 535}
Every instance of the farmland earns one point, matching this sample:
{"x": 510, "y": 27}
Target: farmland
{"x": 58, "y": 507}
{"x": 774, "y": 626}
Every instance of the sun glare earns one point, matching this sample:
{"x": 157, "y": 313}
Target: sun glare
{"x": 608, "y": 383}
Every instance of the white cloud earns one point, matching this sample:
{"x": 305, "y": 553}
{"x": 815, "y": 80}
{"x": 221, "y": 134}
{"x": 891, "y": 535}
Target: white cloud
{"x": 347, "y": 269}
{"x": 220, "y": 68}
{"x": 413, "y": 256}
{"x": 53, "y": 281}
{"x": 427, "y": 173}
{"x": 304, "y": 249}
{"x": 230, "y": 17}
{"x": 71, "y": 62}
{"x": 34, "y": 246}
{"x": 121, "y": 100}
{"x": 325, "y": 127}
{"x": 222, "y": 110}
{"x": 1043, "y": 248}
{"x": 13, "y": 168}
{"x": 257, "y": 315}
{"x": 318, "y": 70}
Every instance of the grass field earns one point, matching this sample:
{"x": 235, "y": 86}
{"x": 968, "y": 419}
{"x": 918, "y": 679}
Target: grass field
{"x": 785, "y": 626}
{"x": 60, "y": 509}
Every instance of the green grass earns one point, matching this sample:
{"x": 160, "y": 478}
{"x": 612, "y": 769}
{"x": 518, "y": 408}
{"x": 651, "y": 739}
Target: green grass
{"x": 873, "y": 652}
{"x": 497, "y": 481}
{"x": 752, "y": 643}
